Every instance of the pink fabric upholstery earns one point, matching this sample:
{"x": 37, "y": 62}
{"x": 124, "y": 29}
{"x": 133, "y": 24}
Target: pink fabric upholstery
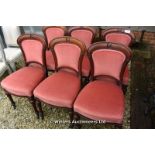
{"x": 100, "y": 100}
{"x": 23, "y": 81}
{"x": 122, "y": 38}
{"x": 85, "y": 66}
{"x": 50, "y": 60}
{"x": 67, "y": 55}
{"x": 126, "y": 76}
{"x": 33, "y": 50}
{"x": 108, "y": 62}
{"x": 59, "y": 89}
{"x": 83, "y": 35}
{"x": 54, "y": 32}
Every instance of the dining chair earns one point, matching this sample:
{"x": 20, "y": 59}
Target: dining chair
{"x": 23, "y": 81}
{"x": 61, "y": 88}
{"x": 102, "y": 99}
{"x": 125, "y": 37}
{"x": 51, "y": 32}
{"x": 118, "y": 35}
{"x": 87, "y": 35}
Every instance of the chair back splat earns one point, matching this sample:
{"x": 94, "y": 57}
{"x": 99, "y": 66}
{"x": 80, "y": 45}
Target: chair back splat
{"x": 68, "y": 53}
{"x": 33, "y": 49}
{"x": 51, "y": 32}
{"x": 85, "y": 34}
{"x": 108, "y": 60}
{"x": 116, "y": 35}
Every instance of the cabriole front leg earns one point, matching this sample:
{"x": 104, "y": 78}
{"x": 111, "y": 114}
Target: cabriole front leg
{"x": 33, "y": 102}
{"x": 11, "y": 100}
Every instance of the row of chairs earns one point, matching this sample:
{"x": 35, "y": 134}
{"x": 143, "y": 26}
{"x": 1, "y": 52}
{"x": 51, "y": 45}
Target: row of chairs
{"x": 88, "y": 35}
{"x": 85, "y": 34}
{"x": 101, "y": 99}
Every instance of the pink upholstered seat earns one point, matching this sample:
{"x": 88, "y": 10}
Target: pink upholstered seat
{"x": 51, "y": 32}
{"x": 50, "y": 60}
{"x": 100, "y": 100}
{"x": 60, "y": 89}
{"x": 23, "y": 81}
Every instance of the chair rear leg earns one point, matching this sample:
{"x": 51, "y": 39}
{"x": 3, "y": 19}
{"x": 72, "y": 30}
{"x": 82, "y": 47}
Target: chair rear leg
{"x": 77, "y": 118}
{"x": 41, "y": 113}
{"x": 119, "y": 126}
{"x": 11, "y": 100}
{"x": 125, "y": 87}
{"x": 85, "y": 81}
{"x": 71, "y": 115}
{"x": 33, "y": 102}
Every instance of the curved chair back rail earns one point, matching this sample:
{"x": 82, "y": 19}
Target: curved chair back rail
{"x": 117, "y": 35}
{"x": 51, "y": 32}
{"x": 83, "y": 33}
{"x": 33, "y": 48}
{"x": 68, "y": 53}
{"x": 108, "y": 60}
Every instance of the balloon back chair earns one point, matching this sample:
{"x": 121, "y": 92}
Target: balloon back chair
{"x": 87, "y": 35}
{"x": 103, "y": 98}
{"x": 117, "y": 35}
{"x": 51, "y": 32}
{"x": 23, "y": 81}
{"x": 125, "y": 37}
{"x": 61, "y": 88}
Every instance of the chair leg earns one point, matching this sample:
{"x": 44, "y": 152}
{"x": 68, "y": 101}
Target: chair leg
{"x": 85, "y": 81}
{"x": 77, "y": 118}
{"x": 11, "y": 100}
{"x": 125, "y": 87}
{"x": 33, "y": 102}
{"x": 119, "y": 126}
{"x": 41, "y": 113}
{"x": 71, "y": 115}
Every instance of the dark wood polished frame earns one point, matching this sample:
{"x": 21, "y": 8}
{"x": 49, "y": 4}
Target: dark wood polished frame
{"x": 116, "y": 30}
{"x": 27, "y": 63}
{"x": 81, "y": 45}
{"x": 106, "y": 45}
